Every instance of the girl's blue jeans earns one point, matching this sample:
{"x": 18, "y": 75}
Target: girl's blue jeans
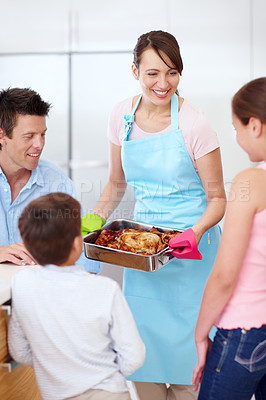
{"x": 236, "y": 366}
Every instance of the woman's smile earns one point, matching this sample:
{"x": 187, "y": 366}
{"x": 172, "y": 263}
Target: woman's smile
{"x": 161, "y": 93}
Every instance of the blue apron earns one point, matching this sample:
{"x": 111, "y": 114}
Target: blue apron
{"x": 165, "y": 303}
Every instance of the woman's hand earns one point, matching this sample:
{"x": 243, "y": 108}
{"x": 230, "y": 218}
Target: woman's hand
{"x": 91, "y": 223}
{"x": 203, "y": 349}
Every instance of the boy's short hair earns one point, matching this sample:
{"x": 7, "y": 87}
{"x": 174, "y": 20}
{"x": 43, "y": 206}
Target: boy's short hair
{"x": 48, "y": 226}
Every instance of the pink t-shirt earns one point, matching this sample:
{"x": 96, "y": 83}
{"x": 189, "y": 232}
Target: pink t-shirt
{"x": 247, "y": 306}
{"x": 198, "y": 134}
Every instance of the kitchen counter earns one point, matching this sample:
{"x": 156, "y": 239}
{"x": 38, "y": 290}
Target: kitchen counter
{"x": 7, "y": 271}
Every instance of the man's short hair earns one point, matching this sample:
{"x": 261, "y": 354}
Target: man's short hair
{"x": 14, "y": 101}
{"x": 48, "y": 226}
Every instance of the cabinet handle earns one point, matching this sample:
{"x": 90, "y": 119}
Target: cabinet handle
{"x": 6, "y": 308}
{"x": 9, "y": 365}
{"x": 76, "y": 164}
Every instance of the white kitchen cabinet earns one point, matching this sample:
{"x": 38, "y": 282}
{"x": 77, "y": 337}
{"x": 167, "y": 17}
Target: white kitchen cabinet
{"x": 258, "y": 59}
{"x": 80, "y": 25}
{"x": 34, "y": 26}
{"x": 99, "y": 81}
{"x": 115, "y": 25}
{"x": 214, "y": 38}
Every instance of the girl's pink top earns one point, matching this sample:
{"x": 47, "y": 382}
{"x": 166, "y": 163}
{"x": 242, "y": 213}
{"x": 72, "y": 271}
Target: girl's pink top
{"x": 247, "y": 306}
{"x": 199, "y": 137}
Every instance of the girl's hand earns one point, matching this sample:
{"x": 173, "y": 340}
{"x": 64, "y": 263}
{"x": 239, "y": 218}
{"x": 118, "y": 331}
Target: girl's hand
{"x": 203, "y": 348}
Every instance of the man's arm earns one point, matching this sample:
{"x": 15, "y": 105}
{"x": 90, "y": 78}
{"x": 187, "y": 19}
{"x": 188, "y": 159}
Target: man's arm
{"x": 16, "y": 253}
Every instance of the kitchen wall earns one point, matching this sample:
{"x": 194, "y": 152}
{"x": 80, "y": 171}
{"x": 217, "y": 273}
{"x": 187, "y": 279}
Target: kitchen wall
{"x": 78, "y": 55}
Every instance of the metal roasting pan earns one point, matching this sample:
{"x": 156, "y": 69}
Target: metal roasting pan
{"x": 148, "y": 263}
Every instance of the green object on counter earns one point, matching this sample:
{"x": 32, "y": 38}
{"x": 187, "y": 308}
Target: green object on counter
{"x": 90, "y": 223}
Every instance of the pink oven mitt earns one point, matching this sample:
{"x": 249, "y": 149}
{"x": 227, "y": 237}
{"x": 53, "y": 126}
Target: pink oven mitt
{"x": 184, "y": 245}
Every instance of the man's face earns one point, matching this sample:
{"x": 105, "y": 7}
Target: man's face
{"x": 24, "y": 148}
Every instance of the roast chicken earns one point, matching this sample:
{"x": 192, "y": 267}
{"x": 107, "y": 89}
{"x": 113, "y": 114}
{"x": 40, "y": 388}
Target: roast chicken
{"x": 136, "y": 240}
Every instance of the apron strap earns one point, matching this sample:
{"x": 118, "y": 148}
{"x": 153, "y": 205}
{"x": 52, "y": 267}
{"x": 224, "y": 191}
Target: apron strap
{"x": 129, "y": 119}
{"x": 174, "y": 112}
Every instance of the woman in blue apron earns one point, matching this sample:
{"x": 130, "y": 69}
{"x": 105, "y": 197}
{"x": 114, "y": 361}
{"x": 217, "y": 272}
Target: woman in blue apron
{"x": 168, "y": 192}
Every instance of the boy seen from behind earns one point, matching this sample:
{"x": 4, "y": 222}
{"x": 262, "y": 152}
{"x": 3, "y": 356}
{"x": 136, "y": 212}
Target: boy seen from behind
{"x": 73, "y": 327}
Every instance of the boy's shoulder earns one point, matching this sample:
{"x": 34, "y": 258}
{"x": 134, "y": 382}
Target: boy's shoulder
{"x": 30, "y": 275}
{"x": 102, "y": 280}
{"x": 24, "y": 277}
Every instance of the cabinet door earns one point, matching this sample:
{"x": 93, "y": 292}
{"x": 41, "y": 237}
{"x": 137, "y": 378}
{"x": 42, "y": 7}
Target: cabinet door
{"x": 3, "y": 336}
{"x": 214, "y": 41}
{"x": 115, "y": 25}
{"x": 20, "y": 384}
{"x": 259, "y": 37}
{"x": 34, "y": 26}
{"x": 99, "y": 81}
{"x": 47, "y": 75}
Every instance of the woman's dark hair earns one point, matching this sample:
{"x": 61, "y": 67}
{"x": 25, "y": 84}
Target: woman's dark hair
{"x": 48, "y": 226}
{"x": 250, "y": 101}
{"x": 160, "y": 41}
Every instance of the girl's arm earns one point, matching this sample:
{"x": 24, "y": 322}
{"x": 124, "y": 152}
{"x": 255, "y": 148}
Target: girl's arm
{"x": 211, "y": 175}
{"x": 115, "y": 188}
{"x": 242, "y": 205}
